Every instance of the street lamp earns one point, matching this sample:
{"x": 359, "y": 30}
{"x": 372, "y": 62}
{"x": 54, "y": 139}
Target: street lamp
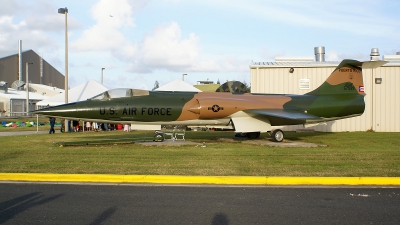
{"x": 65, "y": 11}
{"x": 27, "y": 87}
{"x": 102, "y": 69}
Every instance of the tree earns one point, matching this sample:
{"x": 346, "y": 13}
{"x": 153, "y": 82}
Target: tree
{"x": 156, "y": 85}
{"x": 247, "y": 87}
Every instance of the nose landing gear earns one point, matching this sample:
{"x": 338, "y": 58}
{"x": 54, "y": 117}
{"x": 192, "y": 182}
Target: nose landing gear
{"x": 158, "y": 136}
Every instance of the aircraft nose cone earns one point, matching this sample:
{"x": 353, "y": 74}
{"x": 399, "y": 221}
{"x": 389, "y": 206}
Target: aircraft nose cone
{"x": 57, "y": 111}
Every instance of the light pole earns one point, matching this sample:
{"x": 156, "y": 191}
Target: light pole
{"x": 27, "y": 87}
{"x": 65, "y": 11}
{"x": 102, "y": 69}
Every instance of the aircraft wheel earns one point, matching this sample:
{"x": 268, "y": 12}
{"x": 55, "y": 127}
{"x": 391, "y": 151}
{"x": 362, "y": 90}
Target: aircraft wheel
{"x": 278, "y": 135}
{"x": 158, "y": 138}
{"x": 253, "y": 135}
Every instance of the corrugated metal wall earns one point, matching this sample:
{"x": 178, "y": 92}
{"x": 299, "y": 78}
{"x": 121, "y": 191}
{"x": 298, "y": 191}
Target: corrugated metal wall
{"x": 386, "y": 100}
{"x": 9, "y": 70}
{"x": 382, "y": 112}
{"x": 281, "y": 81}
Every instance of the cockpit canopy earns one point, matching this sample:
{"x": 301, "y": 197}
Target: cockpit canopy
{"x": 120, "y": 93}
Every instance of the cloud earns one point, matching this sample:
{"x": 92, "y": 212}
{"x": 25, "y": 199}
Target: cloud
{"x": 268, "y": 54}
{"x": 334, "y": 56}
{"x": 105, "y": 35}
{"x": 353, "y": 17}
{"x": 164, "y": 48}
{"x": 12, "y": 32}
{"x": 221, "y": 63}
{"x": 8, "y": 8}
{"x": 33, "y": 23}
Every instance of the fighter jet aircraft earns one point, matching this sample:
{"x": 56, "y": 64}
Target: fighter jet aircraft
{"x": 340, "y": 96}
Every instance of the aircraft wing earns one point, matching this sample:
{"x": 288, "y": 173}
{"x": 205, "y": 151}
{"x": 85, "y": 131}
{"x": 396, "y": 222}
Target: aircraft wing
{"x": 283, "y": 116}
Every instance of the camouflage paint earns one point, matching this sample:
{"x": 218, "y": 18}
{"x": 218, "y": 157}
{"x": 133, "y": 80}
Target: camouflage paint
{"x": 340, "y": 96}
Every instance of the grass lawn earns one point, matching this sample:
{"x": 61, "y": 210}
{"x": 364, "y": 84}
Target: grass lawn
{"x": 347, "y": 154}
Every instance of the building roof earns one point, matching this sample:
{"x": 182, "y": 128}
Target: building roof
{"x": 15, "y": 94}
{"x": 207, "y": 87}
{"x": 45, "y": 89}
{"x": 178, "y": 85}
{"x": 293, "y": 64}
{"x": 392, "y": 60}
{"x": 79, "y": 93}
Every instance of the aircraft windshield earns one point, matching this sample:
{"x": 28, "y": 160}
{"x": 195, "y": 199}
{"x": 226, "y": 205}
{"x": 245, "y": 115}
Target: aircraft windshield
{"x": 120, "y": 93}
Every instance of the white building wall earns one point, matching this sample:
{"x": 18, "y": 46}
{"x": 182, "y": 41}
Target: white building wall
{"x": 382, "y": 112}
{"x": 386, "y": 100}
{"x": 4, "y": 106}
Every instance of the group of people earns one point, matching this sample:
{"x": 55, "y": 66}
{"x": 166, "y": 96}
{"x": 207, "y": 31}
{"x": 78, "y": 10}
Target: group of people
{"x": 89, "y": 126}
{"x": 95, "y": 126}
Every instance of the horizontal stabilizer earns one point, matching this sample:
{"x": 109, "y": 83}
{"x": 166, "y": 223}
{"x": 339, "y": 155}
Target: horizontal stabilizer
{"x": 373, "y": 64}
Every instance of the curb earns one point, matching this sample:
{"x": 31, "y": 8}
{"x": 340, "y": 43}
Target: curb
{"x": 223, "y": 180}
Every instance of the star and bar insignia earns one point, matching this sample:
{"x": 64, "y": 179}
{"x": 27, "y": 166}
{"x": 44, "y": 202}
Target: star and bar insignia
{"x": 215, "y": 108}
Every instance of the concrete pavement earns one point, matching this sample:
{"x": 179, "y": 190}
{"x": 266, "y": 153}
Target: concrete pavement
{"x": 14, "y": 133}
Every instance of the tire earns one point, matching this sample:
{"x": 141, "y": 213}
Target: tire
{"x": 278, "y": 135}
{"x": 253, "y": 135}
{"x": 158, "y": 138}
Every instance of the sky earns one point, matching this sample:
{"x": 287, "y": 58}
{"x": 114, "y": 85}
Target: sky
{"x": 139, "y": 42}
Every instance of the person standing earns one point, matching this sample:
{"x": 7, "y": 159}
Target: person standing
{"x": 88, "y": 126}
{"x": 95, "y": 126}
{"x": 52, "y": 122}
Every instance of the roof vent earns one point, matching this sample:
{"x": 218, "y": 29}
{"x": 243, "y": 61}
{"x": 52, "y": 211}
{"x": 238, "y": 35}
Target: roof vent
{"x": 17, "y": 85}
{"x": 319, "y": 53}
{"x": 374, "y": 54}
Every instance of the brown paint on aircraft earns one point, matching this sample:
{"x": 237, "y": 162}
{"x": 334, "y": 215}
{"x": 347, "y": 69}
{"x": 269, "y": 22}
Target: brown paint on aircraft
{"x": 208, "y": 105}
{"x": 346, "y": 74}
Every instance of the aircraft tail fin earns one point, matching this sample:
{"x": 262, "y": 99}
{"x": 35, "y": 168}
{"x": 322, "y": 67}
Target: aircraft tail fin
{"x": 346, "y": 78}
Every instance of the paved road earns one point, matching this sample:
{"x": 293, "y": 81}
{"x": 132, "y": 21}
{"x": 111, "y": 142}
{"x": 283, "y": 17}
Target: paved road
{"x": 121, "y": 204}
{"x": 22, "y": 133}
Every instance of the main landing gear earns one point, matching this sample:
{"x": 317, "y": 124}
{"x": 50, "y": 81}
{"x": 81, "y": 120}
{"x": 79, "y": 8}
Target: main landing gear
{"x": 277, "y": 135}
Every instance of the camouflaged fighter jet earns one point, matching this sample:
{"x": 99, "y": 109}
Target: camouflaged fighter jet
{"x": 340, "y": 96}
